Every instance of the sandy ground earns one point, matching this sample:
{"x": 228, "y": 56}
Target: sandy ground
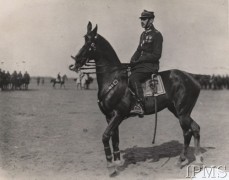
{"x": 48, "y": 133}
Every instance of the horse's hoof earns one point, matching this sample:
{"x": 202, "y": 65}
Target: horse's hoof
{"x": 181, "y": 163}
{"x": 118, "y": 163}
{"x": 199, "y": 159}
{"x": 178, "y": 163}
{"x": 184, "y": 163}
{"x": 198, "y": 163}
{"x": 113, "y": 173}
{"x": 112, "y": 169}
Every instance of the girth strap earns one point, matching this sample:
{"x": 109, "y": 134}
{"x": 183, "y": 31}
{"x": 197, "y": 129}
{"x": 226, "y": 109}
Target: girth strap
{"x": 111, "y": 86}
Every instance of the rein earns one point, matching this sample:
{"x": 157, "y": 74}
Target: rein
{"x": 91, "y": 65}
{"x": 114, "y": 83}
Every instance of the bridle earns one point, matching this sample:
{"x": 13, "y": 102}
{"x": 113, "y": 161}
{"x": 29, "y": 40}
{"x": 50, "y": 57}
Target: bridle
{"x": 89, "y": 64}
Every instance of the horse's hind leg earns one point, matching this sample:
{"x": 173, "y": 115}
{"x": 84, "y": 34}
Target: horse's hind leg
{"x": 185, "y": 123}
{"x": 190, "y": 128}
{"x": 196, "y": 134}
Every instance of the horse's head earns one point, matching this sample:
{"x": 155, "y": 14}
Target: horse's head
{"x": 88, "y": 50}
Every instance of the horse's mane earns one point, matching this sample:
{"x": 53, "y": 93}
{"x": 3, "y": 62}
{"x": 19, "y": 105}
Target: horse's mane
{"x": 107, "y": 49}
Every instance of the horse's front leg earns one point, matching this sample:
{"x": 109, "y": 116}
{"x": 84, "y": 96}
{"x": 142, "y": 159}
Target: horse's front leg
{"x": 115, "y": 144}
{"x": 112, "y": 131}
{"x": 116, "y": 152}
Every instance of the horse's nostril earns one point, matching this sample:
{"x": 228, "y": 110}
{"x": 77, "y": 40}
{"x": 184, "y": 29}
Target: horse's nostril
{"x": 72, "y": 67}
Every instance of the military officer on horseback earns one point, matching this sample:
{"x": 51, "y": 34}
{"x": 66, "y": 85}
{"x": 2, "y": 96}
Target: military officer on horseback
{"x": 58, "y": 77}
{"x": 145, "y": 60}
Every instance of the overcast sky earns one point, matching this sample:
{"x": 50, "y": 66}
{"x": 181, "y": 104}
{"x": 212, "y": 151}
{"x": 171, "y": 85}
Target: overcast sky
{"x": 40, "y": 35}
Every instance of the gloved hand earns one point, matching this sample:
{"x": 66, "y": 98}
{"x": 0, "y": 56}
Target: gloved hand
{"x": 142, "y": 58}
{"x": 134, "y": 61}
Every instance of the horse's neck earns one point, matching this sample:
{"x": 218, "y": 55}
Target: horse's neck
{"x": 107, "y": 63}
{"x": 105, "y": 72}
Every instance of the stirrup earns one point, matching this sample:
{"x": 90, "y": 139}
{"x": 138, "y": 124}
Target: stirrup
{"x": 137, "y": 110}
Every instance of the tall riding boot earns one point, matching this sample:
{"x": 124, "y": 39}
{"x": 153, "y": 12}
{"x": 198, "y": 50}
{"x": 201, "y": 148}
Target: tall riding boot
{"x": 138, "y": 108}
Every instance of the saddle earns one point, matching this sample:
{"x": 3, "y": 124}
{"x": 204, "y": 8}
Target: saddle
{"x": 153, "y": 86}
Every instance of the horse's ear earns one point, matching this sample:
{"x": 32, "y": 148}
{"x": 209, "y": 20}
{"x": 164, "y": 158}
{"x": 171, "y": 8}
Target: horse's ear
{"x": 89, "y": 27}
{"x": 95, "y": 30}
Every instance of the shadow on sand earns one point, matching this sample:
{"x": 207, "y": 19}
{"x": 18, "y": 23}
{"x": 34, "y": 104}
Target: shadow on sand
{"x": 153, "y": 154}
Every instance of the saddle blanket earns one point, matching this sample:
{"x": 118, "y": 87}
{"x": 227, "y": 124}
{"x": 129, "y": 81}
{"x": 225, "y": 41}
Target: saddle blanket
{"x": 148, "y": 91}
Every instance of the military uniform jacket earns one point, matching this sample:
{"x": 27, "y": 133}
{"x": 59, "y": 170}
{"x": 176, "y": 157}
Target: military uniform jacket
{"x": 146, "y": 58}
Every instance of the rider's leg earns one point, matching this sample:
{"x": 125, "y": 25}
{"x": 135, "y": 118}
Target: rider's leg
{"x": 135, "y": 80}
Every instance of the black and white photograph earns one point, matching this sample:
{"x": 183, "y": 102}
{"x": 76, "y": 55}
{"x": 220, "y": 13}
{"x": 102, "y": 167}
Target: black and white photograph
{"x": 102, "y": 89}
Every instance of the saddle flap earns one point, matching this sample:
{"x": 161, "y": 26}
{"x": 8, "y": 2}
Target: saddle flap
{"x": 153, "y": 87}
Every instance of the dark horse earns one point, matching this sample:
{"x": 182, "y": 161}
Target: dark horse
{"x": 115, "y": 99}
{"x": 61, "y": 82}
{"x": 26, "y": 81}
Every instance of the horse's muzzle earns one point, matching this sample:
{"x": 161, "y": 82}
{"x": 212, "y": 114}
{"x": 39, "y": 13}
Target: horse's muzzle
{"x": 72, "y": 67}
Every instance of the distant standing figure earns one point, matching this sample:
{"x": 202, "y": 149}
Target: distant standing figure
{"x": 38, "y": 80}
{"x": 8, "y": 79}
{"x": 78, "y": 79}
{"x": 43, "y": 81}
{"x": 14, "y": 80}
{"x": 19, "y": 80}
{"x": 89, "y": 80}
{"x": 83, "y": 81}
{"x": 26, "y": 80}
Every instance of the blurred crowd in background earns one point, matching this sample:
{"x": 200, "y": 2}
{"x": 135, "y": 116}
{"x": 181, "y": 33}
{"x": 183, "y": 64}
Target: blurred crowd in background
{"x": 213, "y": 82}
{"x": 14, "y": 81}
{"x": 18, "y": 81}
